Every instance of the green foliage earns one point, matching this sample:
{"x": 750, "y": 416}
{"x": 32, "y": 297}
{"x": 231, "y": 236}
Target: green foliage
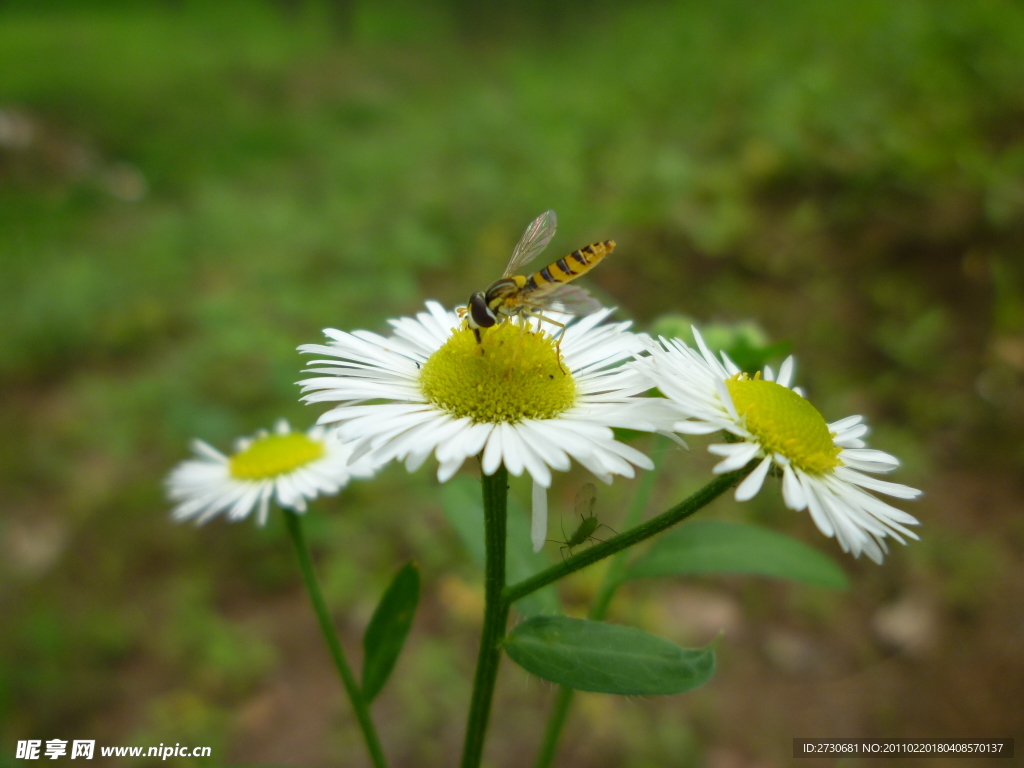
{"x": 207, "y": 185}
{"x": 606, "y": 658}
{"x": 385, "y": 635}
{"x": 714, "y": 546}
{"x": 463, "y": 507}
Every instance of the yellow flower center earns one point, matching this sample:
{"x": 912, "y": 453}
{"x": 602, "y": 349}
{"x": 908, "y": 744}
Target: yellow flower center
{"x": 785, "y": 423}
{"x": 272, "y": 455}
{"x": 510, "y": 375}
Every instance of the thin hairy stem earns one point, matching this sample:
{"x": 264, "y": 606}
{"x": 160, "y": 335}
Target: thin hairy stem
{"x": 496, "y": 607}
{"x": 355, "y": 694}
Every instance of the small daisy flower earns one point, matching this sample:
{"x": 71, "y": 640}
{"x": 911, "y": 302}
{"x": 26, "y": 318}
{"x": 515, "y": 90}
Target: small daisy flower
{"x": 291, "y": 466}
{"x": 823, "y": 465}
{"x": 432, "y": 388}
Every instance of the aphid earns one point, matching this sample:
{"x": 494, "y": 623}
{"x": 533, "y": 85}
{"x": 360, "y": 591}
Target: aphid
{"x": 521, "y": 296}
{"x": 589, "y": 524}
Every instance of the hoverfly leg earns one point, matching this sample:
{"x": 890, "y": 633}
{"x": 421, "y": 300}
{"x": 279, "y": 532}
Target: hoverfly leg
{"x": 558, "y": 342}
{"x": 522, "y": 333}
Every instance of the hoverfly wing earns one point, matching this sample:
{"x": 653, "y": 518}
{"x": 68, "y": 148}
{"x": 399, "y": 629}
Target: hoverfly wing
{"x": 534, "y": 240}
{"x": 571, "y": 300}
{"x": 585, "y": 500}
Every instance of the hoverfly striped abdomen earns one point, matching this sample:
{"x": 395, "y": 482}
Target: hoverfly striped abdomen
{"x": 570, "y": 267}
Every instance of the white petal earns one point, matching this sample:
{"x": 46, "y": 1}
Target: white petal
{"x": 730, "y": 366}
{"x": 849, "y": 442}
{"x": 882, "y": 486}
{"x": 889, "y": 515}
{"x": 532, "y": 460}
{"x": 241, "y": 508}
{"x": 726, "y": 398}
{"x": 418, "y": 456}
{"x": 857, "y": 430}
{"x": 870, "y": 455}
{"x": 874, "y": 549}
{"x": 264, "y": 510}
{"x": 738, "y": 459}
{"x": 548, "y": 449}
{"x": 456, "y": 443}
{"x": 492, "y": 453}
{"x": 513, "y": 450}
{"x": 695, "y": 427}
{"x": 792, "y": 492}
{"x": 446, "y": 469}
{"x": 874, "y": 468}
{"x": 844, "y": 424}
{"x": 728, "y": 449}
{"x": 206, "y": 450}
{"x": 818, "y": 514}
{"x": 786, "y": 372}
{"x": 708, "y": 357}
{"x": 287, "y": 494}
{"x": 752, "y": 483}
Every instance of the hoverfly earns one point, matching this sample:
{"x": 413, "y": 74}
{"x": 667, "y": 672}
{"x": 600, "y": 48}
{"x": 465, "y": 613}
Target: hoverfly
{"x": 585, "y": 500}
{"x": 521, "y": 296}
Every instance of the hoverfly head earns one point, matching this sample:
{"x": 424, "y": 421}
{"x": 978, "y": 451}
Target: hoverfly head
{"x": 480, "y": 315}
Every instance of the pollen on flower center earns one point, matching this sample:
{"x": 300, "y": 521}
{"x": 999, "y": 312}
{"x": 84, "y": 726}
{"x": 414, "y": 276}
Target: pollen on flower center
{"x": 272, "y": 455}
{"x": 785, "y": 423}
{"x": 507, "y": 377}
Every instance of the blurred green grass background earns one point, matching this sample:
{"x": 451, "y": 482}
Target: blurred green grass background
{"x": 188, "y": 191}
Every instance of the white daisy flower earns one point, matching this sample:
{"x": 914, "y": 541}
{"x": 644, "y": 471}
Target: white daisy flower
{"x": 822, "y": 465}
{"x": 291, "y": 466}
{"x": 432, "y": 388}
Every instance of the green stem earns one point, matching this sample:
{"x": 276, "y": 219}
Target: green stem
{"x": 355, "y": 695}
{"x": 644, "y": 531}
{"x": 553, "y": 730}
{"x": 612, "y": 578}
{"x": 496, "y": 607}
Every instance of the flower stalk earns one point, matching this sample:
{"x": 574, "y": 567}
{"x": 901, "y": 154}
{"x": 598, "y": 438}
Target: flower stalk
{"x": 496, "y": 608}
{"x": 355, "y": 694}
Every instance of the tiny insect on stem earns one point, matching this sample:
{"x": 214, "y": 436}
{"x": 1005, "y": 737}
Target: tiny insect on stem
{"x": 589, "y": 523}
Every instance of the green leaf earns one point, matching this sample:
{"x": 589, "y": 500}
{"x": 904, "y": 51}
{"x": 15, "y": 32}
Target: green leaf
{"x": 606, "y": 658}
{"x": 388, "y": 629}
{"x": 714, "y": 546}
{"x": 463, "y": 506}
